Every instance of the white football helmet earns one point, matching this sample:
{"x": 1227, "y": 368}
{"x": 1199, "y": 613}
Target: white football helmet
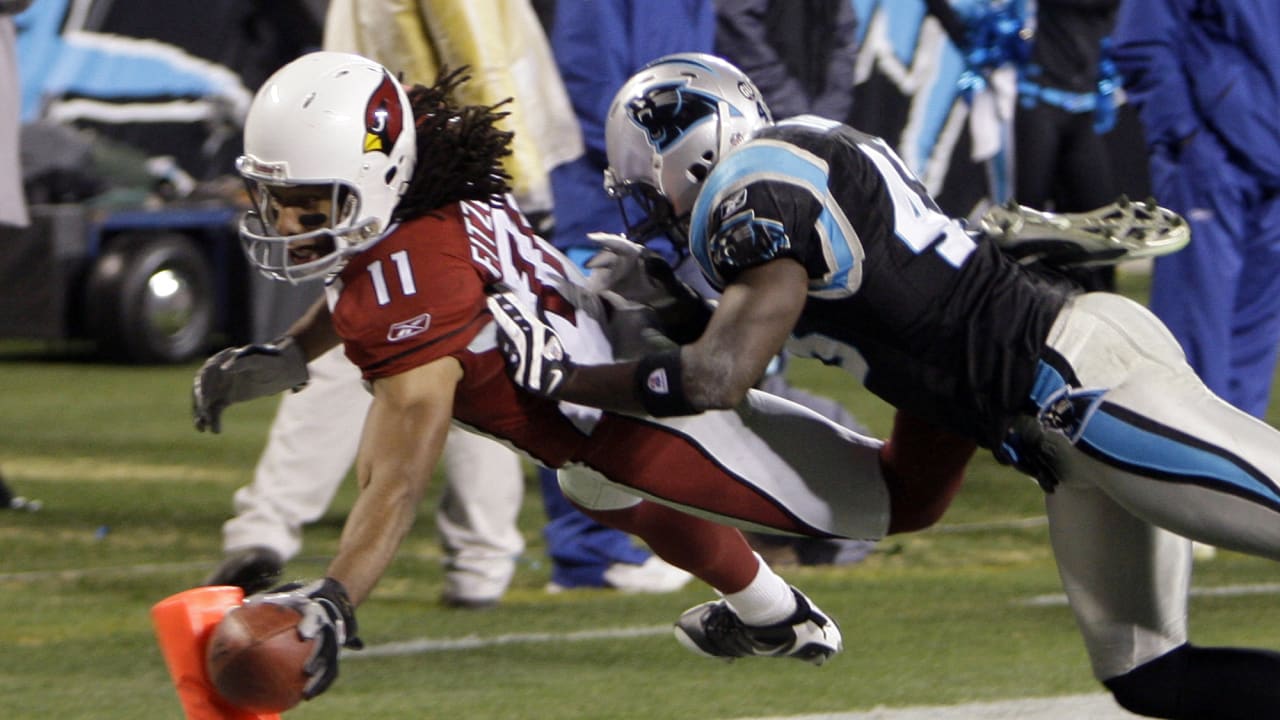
{"x": 671, "y": 123}
{"x": 327, "y": 120}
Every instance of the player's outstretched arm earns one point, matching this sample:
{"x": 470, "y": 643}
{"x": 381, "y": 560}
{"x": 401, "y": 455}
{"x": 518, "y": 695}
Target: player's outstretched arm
{"x": 748, "y": 328}
{"x": 403, "y": 438}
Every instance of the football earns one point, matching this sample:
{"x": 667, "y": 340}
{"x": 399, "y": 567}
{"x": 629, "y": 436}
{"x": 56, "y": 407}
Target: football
{"x": 255, "y": 658}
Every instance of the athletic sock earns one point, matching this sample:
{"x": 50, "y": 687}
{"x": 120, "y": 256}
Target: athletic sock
{"x": 766, "y": 600}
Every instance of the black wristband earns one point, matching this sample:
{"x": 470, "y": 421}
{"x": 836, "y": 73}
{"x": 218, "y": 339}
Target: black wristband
{"x": 660, "y": 384}
{"x": 335, "y": 593}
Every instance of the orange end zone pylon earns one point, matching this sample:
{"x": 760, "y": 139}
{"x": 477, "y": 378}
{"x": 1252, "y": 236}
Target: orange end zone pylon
{"x": 183, "y": 624}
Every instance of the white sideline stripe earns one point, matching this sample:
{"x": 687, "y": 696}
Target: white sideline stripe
{"x": 472, "y": 642}
{"x": 1015, "y": 524}
{"x": 154, "y": 568}
{"x": 1098, "y": 706}
{"x": 1224, "y": 591}
{"x": 81, "y": 573}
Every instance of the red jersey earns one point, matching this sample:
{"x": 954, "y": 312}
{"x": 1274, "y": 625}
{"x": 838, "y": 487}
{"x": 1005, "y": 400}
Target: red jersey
{"x": 419, "y": 295}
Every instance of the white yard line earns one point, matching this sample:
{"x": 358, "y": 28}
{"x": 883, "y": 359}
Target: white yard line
{"x": 472, "y": 642}
{"x": 1014, "y": 524}
{"x": 1058, "y": 599}
{"x": 81, "y": 573}
{"x": 1095, "y": 707}
{"x": 1098, "y": 706}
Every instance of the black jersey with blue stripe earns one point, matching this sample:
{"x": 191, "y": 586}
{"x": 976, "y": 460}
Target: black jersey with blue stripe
{"x": 931, "y": 318}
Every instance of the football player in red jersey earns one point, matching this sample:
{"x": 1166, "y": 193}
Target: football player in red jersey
{"x": 399, "y": 201}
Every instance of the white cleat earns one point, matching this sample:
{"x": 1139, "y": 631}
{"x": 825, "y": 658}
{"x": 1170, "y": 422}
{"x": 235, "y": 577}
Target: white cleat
{"x": 713, "y": 629}
{"x": 1123, "y": 230}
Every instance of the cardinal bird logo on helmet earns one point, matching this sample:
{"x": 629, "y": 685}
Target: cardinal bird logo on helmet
{"x": 383, "y": 118}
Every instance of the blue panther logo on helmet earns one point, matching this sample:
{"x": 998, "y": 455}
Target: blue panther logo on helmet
{"x": 666, "y": 112}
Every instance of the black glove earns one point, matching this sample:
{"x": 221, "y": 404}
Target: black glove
{"x": 243, "y": 373}
{"x": 328, "y": 616}
{"x": 535, "y": 357}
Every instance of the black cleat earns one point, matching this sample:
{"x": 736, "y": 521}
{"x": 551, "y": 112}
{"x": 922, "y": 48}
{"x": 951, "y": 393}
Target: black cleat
{"x": 252, "y": 569}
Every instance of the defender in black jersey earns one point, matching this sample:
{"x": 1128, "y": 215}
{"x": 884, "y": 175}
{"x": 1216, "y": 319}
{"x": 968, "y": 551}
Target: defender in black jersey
{"x": 942, "y": 327}
{"x": 823, "y": 241}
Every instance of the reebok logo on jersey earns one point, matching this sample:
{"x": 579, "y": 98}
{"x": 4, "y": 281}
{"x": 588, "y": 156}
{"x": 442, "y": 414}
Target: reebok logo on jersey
{"x": 657, "y": 381}
{"x": 733, "y": 204}
{"x": 406, "y": 329}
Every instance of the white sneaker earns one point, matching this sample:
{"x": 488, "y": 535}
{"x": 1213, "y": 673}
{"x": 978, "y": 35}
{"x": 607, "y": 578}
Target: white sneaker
{"x": 654, "y": 575}
{"x": 475, "y": 583}
{"x": 713, "y": 629}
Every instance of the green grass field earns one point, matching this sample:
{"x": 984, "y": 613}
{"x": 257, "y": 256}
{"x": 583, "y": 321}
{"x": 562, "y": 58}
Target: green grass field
{"x": 133, "y": 499}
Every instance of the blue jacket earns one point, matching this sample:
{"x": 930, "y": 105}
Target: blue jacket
{"x": 1206, "y": 65}
{"x": 598, "y": 44}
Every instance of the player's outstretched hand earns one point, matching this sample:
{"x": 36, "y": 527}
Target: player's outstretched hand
{"x": 632, "y": 271}
{"x": 535, "y": 357}
{"x": 329, "y": 617}
{"x": 242, "y": 373}
{"x": 640, "y": 275}
{"x": 619, "y": 267}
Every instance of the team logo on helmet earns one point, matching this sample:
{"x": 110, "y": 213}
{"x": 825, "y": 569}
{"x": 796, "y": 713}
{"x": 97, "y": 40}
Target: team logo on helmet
{"x": 666, "y": 112}
{"x": 383, "y": 118}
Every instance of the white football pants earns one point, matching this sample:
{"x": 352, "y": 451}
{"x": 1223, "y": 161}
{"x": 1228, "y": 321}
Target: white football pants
{"x": 1145, "y": 457}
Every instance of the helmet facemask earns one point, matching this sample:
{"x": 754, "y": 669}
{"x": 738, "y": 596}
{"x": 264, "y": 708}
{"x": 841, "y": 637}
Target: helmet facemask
{"x": 324, "y": 231}
{"x": 646, "y": 212}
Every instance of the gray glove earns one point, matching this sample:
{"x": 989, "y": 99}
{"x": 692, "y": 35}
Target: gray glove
{"x": 630, "y": 271}
{"x": 243, "y": 373}
{"x": 621, "y": 267}
{"x": 328, "y": 616}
